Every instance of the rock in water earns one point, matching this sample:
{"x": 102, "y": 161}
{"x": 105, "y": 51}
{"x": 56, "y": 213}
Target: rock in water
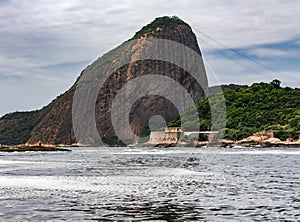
{"x": 144, "y": 75}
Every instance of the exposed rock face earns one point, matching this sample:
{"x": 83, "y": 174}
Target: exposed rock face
{"x": 54, "y": 122}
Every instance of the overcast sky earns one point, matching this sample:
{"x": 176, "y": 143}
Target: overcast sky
{"x": 44, "y": 45}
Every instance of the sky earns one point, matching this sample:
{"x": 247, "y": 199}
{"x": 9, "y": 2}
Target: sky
{"x": 44, "y": 45}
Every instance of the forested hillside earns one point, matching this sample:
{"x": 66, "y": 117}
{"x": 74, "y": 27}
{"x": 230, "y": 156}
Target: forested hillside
{"x": 256, "y": 108}
{"x": 15, "y": 128}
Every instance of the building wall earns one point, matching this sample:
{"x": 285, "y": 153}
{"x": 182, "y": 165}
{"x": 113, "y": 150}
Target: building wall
{"x": 169, "y": 136}
{"x": 172, "y": 137}
{"x": 156, "y": 137}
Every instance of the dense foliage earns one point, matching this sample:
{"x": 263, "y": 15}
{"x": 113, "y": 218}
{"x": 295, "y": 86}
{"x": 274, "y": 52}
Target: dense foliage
{"x": 160, "y": 24}
{"x": 259, "y": 107}
{"x": 17, "y": 127}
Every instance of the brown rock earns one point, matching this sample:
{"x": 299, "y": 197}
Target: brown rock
{"x": 54, "y": 122}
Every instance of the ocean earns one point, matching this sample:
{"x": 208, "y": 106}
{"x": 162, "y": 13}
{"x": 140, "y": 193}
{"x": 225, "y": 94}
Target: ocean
{"x": 151, "y": 184}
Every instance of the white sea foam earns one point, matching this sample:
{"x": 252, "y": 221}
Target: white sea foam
{"x": 14, "y": 162}
{"x": 155, "y": 152}
{"x": 58, "y": 183}
{"x": 262, "y": 152}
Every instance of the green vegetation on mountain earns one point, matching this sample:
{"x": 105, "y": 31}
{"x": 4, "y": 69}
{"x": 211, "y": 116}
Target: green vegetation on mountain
{"x": 261, "y": 106}
{"x": 33, "y": 148}
{"x": 17, "y": 127}
{"x": 159, "y": 25}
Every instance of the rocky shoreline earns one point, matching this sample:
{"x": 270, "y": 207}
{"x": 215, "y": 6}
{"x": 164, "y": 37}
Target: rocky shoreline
{"x": 255, "y": 141}
{"x": 263, "y": 140}
{"x": 260, "y": 144}
{"x": 225, "y": 144}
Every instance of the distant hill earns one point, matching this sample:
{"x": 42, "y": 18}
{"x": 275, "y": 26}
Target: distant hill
{"x": 261, "y": 106}
{"x": 215, "y": 89}
{"x": 16, "y": 127}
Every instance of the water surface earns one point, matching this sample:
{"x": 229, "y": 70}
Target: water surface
{"x": 151, "y": 184}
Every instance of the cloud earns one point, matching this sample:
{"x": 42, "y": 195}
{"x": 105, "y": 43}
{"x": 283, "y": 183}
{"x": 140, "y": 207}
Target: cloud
{"x": 254, "y": 64}
{"x": 263, "y": 52}
{"x": 45, "y": 42}
{"x": 226, "y": 71}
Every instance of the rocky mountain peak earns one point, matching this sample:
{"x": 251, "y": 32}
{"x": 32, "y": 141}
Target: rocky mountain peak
{"x": 53, "y": 124}
{"x": 160, "y": 26}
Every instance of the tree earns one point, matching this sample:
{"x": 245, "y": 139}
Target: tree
{"x": 276, "y": 83}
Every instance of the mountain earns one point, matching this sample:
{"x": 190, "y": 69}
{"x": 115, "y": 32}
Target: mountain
{"x": 259, "y": 107}
{"x": 134, "y": 59}
{"x": 15, "y": 128}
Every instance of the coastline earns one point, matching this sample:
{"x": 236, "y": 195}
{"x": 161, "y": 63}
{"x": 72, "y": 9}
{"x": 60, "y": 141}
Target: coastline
{"x": 256, "y": 145}
{"x": 265, "y": 139}
{"x": 22, "y": 148}
{"x": 254, "y": 141}
{"x": 225, "y": 144}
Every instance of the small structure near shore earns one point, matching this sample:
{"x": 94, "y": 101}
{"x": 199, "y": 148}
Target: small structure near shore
{"x": 169, "y": 136}
{"x": 172, "y": 135}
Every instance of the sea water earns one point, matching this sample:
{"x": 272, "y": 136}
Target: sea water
{"x": 151, "y": 184}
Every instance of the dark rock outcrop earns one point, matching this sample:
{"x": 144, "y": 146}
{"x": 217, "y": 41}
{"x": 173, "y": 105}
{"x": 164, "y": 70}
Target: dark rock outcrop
{"x": 53, "y": 123}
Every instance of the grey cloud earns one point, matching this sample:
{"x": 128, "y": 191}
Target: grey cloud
{"x": 36, "y": 34}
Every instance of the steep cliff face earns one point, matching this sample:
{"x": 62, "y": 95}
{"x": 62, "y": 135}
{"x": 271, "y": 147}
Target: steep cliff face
{"x": 53, "y": 123}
